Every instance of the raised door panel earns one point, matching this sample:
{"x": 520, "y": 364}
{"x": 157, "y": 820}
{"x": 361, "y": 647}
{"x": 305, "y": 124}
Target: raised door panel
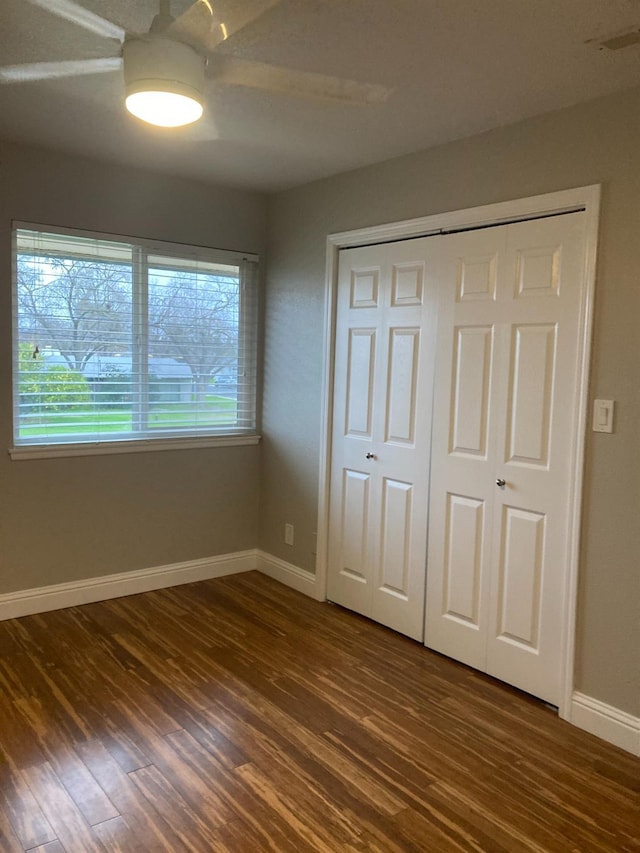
{"x": 538, "y": 271}
{"x": 532, "y": 357}
{"x": 402, "y": 385}
{"x": 398, "y": 593}
{"x": 365, "y": 285}
{"x": 395, "y": 550}
{"x": 352, "y": 508}
{"x": 520, "y": 577}
{"x": 529, "y": 560}
{"x": 457, "y": 575}
{"x": 469, "y": 417}
{"x": 464, "y": 538}
{"x": 354, "y": 525}
{"x": 361, "y": 353}
{"x": 407, "y": 283}
{"x": 477, "y": 277}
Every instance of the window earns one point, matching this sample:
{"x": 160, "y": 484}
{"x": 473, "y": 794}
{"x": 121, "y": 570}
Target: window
{"x": 125, "y": 340}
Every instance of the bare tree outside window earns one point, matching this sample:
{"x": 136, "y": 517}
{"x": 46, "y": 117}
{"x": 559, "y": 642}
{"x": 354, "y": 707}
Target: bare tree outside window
{"x": 193, "y": 318}
{"x": 78, "y": 307}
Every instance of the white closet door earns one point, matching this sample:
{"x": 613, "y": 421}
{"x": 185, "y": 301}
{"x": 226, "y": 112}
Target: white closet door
{"x": 385, "y": 344}
{"x": 505, "y": 411}
{"x": 463, "y": 460}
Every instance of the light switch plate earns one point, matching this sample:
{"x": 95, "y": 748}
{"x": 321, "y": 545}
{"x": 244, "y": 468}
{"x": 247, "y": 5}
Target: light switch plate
{"x": 603, "y": 415}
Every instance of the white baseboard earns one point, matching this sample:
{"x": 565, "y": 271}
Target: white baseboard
{"x": 57, "y": 596}
{"x": 288, "y": 574}
{"x": 40, "y": 599}
{"x": 606, "y": 722}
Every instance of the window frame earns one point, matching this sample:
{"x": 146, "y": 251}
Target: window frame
{"x": 236, "y": 435}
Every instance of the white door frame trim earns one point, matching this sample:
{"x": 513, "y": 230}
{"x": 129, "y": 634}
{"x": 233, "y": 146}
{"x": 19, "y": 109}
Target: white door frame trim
{"x": 580, "y": 198}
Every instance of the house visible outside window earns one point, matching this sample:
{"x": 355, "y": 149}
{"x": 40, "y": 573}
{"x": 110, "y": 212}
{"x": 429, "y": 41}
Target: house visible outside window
{"x": 122, "y": 340}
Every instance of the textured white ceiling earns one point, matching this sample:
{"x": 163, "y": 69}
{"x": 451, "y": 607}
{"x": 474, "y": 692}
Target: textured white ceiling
{"x": 457, "y": 67}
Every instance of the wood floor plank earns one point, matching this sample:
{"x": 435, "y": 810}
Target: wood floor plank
{"x": 216, "y": 744}
{"x": 517, "y": 828}
{"x": 16, "y": 749}
{"x": 305, "y": 819}
{"x": 9, "y": 841}
{"x": 23, "y": 812}
{"x": 262, "y": 826}
{"x": 193, "y": 829}
{"x": 240, "y": 837}
{"x": 116, "y": 836}
{"x": 237, "y": 715}
{"x": 90, "y": 799}
{"x": 274, "y": 740}
{"x": 435, "y": 832}
{"x": 125, "y": 751}
{"x": 143, "y": 818}
{"x": 321, "y": 757}
{"x": 70, "y": 827}
{"x": 51, "y": 847}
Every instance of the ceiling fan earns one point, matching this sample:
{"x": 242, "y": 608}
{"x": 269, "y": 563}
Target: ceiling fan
{"x": 166, "y": 68}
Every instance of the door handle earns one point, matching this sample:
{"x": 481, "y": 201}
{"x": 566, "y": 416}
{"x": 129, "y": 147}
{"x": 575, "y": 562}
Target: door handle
{"x": 501, "y": 483}
{"x": 370, "y": 456}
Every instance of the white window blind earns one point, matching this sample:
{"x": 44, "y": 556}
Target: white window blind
{"x": 121, "y": 339}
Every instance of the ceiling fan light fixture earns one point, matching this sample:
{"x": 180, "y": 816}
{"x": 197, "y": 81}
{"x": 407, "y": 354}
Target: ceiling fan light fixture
{"x": 164, "y": 81}
{"x": 164, "y": 108}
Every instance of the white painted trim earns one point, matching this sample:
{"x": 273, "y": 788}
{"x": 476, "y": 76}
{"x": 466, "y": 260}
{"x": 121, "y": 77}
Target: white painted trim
{"x": 606, "y": 722}
{"x": 140, "y": 445}
{"x": 289, "y": 575}
{"x": 576, "y": 474}
{"x": 326, "y": 415}
{"x": 587, "y": 198}
{"x": 57, "y": 596}
{"x": 548, "y": 204}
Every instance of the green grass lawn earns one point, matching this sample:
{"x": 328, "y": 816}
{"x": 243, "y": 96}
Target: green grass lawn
{"x": 218, "y": 411}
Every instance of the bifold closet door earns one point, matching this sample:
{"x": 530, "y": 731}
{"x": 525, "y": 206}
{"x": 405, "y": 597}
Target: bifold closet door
{"x": 383, "y": 384}
{"x": 503, "y": 438}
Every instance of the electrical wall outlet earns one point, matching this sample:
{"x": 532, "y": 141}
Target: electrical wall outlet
{"x": 288, "y": 534}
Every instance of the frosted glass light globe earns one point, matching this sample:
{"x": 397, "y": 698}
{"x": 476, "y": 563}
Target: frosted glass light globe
{"x": 164, "y": 109}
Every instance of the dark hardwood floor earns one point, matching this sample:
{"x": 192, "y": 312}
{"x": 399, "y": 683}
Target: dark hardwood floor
{"x": 237, "y": 715}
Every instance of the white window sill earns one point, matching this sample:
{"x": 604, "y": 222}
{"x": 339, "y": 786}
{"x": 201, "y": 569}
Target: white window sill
{"x": 103, "y": 448}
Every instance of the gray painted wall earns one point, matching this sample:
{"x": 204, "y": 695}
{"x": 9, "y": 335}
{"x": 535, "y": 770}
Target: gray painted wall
{"x": 594, "y": 143}
{"x": 72, "y": 518}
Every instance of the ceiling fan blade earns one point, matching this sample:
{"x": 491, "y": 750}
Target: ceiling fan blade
{"x": 197, "y": 26}
{"x": 286, "y": 81}
{"x": 206, "y": 23}
{"x": 241, "y": 15}
{"x": 53, "y": 70}
{"x": 77, "y": 14}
